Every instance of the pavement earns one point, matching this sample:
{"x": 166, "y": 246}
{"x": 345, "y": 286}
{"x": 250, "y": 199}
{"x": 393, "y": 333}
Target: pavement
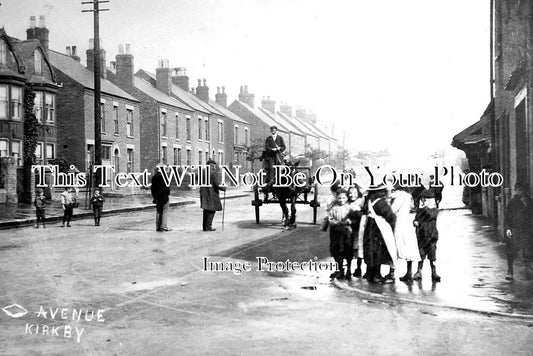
{"x": 116, "y": 202}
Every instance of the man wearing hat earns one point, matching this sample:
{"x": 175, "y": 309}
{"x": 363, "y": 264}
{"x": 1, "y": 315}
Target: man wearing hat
{"x": 160, "y": 192}
{"x": 209, "y": 198}
{"x": 274, "y": 147}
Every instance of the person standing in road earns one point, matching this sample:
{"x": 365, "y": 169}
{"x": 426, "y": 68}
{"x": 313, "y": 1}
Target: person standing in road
{"x": 427, "y": 234}
{"x": 274, "y": 148}
{"x": 98, "y": 203}
{"x": 67, "y": 202}
{"x": 209, "y": 197}
{"x": 518, "y": 230}
{"x": 40, "y": 208}
{"x": 160, "y": 193}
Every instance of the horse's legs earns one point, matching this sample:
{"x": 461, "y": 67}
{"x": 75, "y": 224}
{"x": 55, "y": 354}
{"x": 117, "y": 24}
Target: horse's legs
{"x": 284, "y": 209}
{"x": 293, "y": 210}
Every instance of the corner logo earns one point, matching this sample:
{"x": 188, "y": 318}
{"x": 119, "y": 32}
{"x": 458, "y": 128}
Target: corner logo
{"x": 15, "y": 310}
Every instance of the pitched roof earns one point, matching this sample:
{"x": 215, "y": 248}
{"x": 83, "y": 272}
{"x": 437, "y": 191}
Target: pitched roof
{"x": 227, "y": 113}
{"x": 311, "y": 127}
{"x": 475, "y": 133}
{"x": 183, "y": 95}
{"x": 83, "y": 76}
{"x": 304, "y": 128}
{"x": 151, "y": 91}
{"x": 262, "y": 116}
{"x": 282, "y": 121}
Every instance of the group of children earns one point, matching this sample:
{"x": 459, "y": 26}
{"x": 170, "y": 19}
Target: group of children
{"x": 68, "y": 203}
{"x": 379, "y": 229}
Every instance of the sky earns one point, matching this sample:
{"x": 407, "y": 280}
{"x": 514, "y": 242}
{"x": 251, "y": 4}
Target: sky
{"x": 404, "y": 75}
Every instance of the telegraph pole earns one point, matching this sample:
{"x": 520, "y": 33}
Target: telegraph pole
{"x": 97, "y": 114}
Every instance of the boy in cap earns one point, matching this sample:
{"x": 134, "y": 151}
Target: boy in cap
{"x": 40, "y": 208}
{"x": 427, "y": 234}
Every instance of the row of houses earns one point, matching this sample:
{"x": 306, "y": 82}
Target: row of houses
{"x": 502, "y": 139}
{"x": 147, "y": 117}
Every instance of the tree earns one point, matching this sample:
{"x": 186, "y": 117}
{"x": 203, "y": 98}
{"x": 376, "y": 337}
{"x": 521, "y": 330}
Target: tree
{"x": 342, "y": 157}
{"x": 315, "y": 153}
{"x": 255, "y": 151}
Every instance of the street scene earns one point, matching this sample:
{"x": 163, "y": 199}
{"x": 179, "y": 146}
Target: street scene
{"x": 359, "y": 182}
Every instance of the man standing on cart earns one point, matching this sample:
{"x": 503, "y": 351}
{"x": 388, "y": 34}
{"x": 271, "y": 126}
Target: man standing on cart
{"x": 274, "y": 148}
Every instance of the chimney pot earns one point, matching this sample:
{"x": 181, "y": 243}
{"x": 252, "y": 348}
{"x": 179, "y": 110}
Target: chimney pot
{"x": 42, "y": 21}
{"x": 223, "y": 90}
{"x": 91, "y": 43}
{"x": 246, "y": 89}
{"x": 67, "y": 51}
{"x": 199, "y": 83}
{"x": 33, "y": 23}
{"x": 74, "y": 51}
{"x": 218, "y": 90}
{"x": 128, "y": 48}
{"x": 120, "y": 49}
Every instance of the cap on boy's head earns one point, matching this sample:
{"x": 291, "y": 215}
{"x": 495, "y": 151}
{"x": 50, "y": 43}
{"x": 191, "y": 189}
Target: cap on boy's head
{"x": 273, "y": 128}
{"x": 427, "y": 194}
{"x": 211, "y": 161}
{"x": 39, "y": 192}
{"x": 341, "y": 191}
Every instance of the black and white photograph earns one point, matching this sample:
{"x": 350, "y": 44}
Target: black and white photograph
{"x": 266, "y": 177}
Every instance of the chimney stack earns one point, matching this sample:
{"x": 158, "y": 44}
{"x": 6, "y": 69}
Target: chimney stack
{"x": 124, "y": 63}
{"x": 300, "y": 113}
{"x": 202, "y": 91}
{"x": 90, "y": 58}
{"x": 268, "y": 104}
{"x": 38, "y": 33}
{"x": 310, "y": 116}
{"x": 221, "y": 98}
{"x": 286, "y": 109}
{"x": 163, "y": 77}
{"x": 180, "y": 78}
{"x": 245, "y": 97}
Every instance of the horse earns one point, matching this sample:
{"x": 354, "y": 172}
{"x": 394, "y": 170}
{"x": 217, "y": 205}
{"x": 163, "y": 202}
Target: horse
{"x": 288, "y": 195}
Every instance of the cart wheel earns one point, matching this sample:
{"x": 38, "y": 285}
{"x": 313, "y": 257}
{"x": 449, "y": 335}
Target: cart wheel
{"x": 315, "y": 203}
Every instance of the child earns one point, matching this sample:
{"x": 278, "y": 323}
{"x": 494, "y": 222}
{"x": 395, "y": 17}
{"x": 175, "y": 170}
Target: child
{"x": 67, "y": 202}
{"x": 330, "y": 203}
{"x": 98, "y": 202}
{"x": 40, "y": 207}
{"x": 355, "y": 199}
{"x": 340, "y": 245}
{"x": 427, "y": 234}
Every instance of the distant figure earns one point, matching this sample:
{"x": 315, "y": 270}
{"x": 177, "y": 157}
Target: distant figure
{"x": 274, "y": 147}
{"x": 340, "y": 235}
{"x": 355, "y": 200}
{"x": 160, "y": 193}
{"x": 97, "y": 202}
{"x": 209, "y": 198}
{"x": 518, "y": 230}
{"x": 67, "y": 202}
{"x": 437, "y": 191}
{"x": 40, "y": 208}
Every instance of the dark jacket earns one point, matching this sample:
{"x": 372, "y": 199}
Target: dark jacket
{"x": 39, "y": 203}
{"x": 209, "y": 198}
{"x": 159, "y": 189}
{"x": 97, "y": 201}
{"x": 270, "y": 145}
{"x": 519, "y": 215}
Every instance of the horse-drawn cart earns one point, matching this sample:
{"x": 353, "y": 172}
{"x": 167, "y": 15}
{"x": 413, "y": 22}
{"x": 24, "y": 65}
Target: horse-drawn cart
{"x": 292, "y": 195}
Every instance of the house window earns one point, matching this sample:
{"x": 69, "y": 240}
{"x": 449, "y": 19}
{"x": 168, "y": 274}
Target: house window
{"x": 3, "y": 101}
{"x": 188, "y": 157}
{"x": 220, "y": 158}
{"x": 164, "y": 154}
{"x": 129, "y": 122}
{"x": 220, "y": 131}
{"x": 3, "y": 148}
{"x": 106, "y": 153}
{"x": 16, "y": 151}
{"x": 177, "y": 127}
{"x": 246, "y": 137}
{"x": 206, "y": 157}
{"x": 115, "y": 117}
{"x": 207, "y": 135}
{"x": 179, "y": 156}
{"x": 130, "y": 160}
{"x": 199, "y": 129}
{"x": 236, "y": 135}
{"x": 163, "y": 124}
{"x": 200, "y": 157}
{"x": 39, "y": 153}
{"x": 38, "y": 106}
{"x": 50, "y": 108}
{"x": 175, "y": 155}
{"x": 188, "y": 128}
{"x": 16, "y": 103}
{"x": 3, "y": 52}
{"x": 102, "y": 116}
{"x": 38, "y": 59}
